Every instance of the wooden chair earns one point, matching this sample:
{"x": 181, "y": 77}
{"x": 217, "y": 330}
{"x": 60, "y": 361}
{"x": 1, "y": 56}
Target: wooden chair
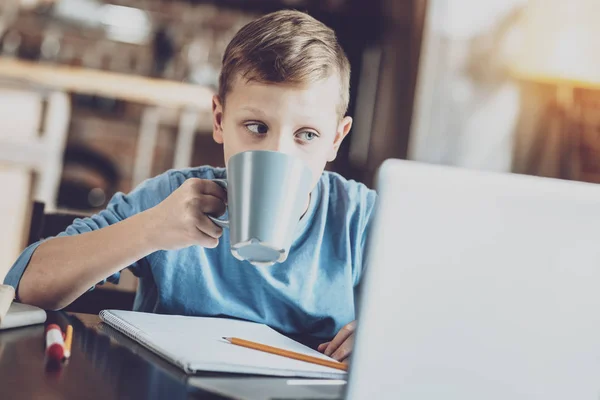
{"x": 14, "y": 212}
{"x": 33, "y": 131}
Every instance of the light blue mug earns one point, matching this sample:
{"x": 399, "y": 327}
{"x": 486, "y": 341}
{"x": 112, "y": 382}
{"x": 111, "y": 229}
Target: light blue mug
{"x": 267, "y": 193}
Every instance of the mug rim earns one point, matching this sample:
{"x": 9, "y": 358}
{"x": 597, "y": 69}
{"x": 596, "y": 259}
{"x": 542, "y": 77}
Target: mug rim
{"x": 248, "y": 153}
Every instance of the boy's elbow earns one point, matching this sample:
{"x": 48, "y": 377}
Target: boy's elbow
{"x": 41, "y": 300}
{"x": 56, "y": 306}
{"x": 38, "y": 293}
{"x": 46, "y": 303}
{"x": 49, "y": 305}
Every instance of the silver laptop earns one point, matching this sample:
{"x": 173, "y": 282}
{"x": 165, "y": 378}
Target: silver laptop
{"x": 478, "y": 286}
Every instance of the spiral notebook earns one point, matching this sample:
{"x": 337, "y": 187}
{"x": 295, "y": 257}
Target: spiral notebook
{"x": 196, "y": 344}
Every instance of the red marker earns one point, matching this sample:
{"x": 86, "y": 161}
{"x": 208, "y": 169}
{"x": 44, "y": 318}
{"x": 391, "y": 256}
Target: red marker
{"x": 55, "y": 345}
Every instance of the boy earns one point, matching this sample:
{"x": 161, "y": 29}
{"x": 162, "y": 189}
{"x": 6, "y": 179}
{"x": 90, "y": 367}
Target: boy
{"x": 284, "y": 86}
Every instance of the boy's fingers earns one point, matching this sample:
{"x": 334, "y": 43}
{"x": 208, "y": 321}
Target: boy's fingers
{"x": 206, "y": 204}
{"x": 344, "y": 350}
{"x": 209, "y": 228}
{"x": 340, "y": 338}
{"x": 323, "y": 346}
{"x": 206, "y": 240}
{"x": 207, "y": 187}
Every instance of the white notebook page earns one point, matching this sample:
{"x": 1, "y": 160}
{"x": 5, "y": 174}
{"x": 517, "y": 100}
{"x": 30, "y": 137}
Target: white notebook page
{"x": 197, "y": 344}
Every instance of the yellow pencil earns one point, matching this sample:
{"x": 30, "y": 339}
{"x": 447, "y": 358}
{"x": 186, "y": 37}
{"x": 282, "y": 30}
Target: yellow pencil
{"x": 68, "y": 341}
{"x": 286, "y": 353}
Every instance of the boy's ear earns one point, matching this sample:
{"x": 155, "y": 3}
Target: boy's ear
{"x": 217, "y": 111}
{"x": 343, "y": 129}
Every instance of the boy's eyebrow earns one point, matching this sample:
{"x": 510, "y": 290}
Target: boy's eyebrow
{"x": 254, "y": 110}
{"x": 260, "y": 113}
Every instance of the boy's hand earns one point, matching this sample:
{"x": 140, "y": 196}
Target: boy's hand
{"x": 341, "y": 345}
{"x": 181, "y": 219}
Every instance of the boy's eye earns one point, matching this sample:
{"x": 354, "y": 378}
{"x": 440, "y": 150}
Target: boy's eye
{"x": 257, "y": 128}
{"x": 307, "y": 135}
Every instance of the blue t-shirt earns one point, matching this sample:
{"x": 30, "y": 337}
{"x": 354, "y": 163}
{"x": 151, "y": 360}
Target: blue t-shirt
{"x": 312, "y": 292}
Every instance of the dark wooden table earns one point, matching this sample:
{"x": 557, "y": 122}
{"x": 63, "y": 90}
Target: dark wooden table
{"x": 104, "y": 365}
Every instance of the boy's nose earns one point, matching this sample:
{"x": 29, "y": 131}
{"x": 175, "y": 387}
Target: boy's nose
{"x": 282, "y": 145}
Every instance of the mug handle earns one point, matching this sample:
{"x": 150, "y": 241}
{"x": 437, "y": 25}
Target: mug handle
{"x": 220, "y": 222}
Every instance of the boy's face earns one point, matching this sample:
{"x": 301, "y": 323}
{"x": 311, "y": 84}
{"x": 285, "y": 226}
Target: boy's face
{"x": 301, "y": 121}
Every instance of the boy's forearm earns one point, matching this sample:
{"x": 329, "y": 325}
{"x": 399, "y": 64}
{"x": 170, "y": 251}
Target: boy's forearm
{"x": 63, "y": 268}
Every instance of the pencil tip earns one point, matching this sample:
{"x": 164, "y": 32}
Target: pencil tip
{"x": 226, "y": 338}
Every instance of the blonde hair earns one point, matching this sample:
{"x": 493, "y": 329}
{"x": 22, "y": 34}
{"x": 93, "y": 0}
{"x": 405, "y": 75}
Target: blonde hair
{"x": 285, "y": 47}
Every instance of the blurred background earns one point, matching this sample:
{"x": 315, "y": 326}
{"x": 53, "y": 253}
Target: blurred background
{"x": 98, "y": 95}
